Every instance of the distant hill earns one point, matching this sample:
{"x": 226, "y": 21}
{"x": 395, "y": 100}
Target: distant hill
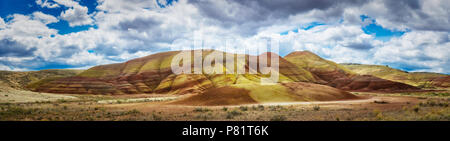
{"x": 338, "y": 76}
{"x": 418, "y": 79}
{"x": 20, "y": 80}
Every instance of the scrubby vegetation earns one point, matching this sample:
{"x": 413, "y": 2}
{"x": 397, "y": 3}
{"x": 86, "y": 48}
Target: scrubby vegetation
{"x": 411, "y": 108}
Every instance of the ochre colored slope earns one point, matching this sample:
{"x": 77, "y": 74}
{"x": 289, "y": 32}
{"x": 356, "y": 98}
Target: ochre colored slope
{"x": 337, "y": 76}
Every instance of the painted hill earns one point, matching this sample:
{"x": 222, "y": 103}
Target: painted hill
{"x": 418, "y": 79}
{"x": 338, "y": 76}
{"x": 153, "y": 74}
{"x": 20, "y": 80}
{"x": 302, "y": 78}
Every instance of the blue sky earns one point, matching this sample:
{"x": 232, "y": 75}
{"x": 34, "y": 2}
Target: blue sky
{"x": 52, "y": 34}
{"x": 9, "y": 7}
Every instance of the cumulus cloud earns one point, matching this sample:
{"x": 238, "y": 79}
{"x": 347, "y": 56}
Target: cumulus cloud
{"x": 44, "y": 18}
{"x": 46, "y": 4}
{"x": 410, "y": 14}
{"x": 12, "y": 48}
{"x": 136, "y": 28}
{"x": 417, "y": 50}
{"x": 2, "y": 23}
{"x": 121, "y": 6}
{"x": 76, "y": 15}
{"x": 22, "y": 26}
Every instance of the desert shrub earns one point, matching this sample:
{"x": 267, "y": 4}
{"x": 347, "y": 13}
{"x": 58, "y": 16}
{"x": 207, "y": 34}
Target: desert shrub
{"x": 156, "y": 117}
{"x": 233, "y": 113}
{"x": 316, "y": 107}
{"x": 133, "y": 112}
{"x": 416, "y": 109}
{"x": 380, "y": 116}
{"x": 62, "y": 100}
{"x": 199, "y": 109}
{"x": 440, "y": 94}
{"x": 278, "y": 118}
{"x": 254, "y": 108}
{"x": 261, "y": 107}
{"x": 274, "y": 108}
{"x": 380, "y": 102}
{"x": 15, "y": 111}
{"x": 243, "y": 108}
{"x": 202, "y": 117}
{"x": 431, "y": 103}
{"x": 225, "y": 109}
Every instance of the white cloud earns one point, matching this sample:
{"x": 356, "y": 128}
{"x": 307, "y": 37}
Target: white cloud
{"x": 4, "y": 67}
{"x": 20, "y": 27}
{"x": 421, "y": 50}
{"x": 121, "y": 6}
{"x": 76, "y": 15}
{"x": 136, "y": 28}
{"x": 2, "y": 23}
{"x": 8, "y": 68}
{"x": 44, "y": 18}
{"x": 46, "y": 4}
{"x": 410, "y": 14}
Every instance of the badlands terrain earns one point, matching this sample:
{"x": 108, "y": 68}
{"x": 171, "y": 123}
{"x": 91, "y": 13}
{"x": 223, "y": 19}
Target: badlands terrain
{"x": 309, "y": 88}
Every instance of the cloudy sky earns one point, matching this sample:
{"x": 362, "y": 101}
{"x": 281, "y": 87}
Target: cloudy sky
{"x": 411, "y": 35}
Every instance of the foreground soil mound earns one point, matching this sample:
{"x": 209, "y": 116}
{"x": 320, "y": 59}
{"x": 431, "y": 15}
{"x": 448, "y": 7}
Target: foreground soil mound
{"x": 219, "y": 96}
{"x": 253, "y": 93}
{"x": 338, "y": 76}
